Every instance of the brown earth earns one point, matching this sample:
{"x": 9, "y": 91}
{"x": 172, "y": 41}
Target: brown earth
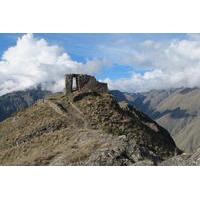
{"x": 83, "y": 129}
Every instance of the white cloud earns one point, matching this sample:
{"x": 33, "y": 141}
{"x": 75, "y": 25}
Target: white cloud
{"x": 173, "y": 64}
{"x": 33, "y": 61}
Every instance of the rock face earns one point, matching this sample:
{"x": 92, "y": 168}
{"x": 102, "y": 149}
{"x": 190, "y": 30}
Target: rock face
{"x": 88, "y": 128}
{"x": 83, "y": 83}
{"x": 177, "y": 110}
{"x": 184, "y": 159}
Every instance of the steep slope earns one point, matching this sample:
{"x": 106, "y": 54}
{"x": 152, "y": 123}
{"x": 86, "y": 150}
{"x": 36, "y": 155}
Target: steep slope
{"x": 16, "y": 101}
{"x": 83, "y": 129}
{"x": 184, "y": 159}
{"x": 177, "y": 110}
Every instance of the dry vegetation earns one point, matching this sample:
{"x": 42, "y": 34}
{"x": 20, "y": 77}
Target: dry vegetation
{"x": 85, "y": 129}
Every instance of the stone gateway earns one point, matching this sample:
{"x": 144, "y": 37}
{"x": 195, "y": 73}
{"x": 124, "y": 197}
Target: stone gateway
{"x": 83, "y": 83}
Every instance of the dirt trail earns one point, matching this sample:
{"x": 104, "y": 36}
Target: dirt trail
{"x": 73, "y": 110}
{"x": 79, "y": 114}
{"x": 55, "y": 107}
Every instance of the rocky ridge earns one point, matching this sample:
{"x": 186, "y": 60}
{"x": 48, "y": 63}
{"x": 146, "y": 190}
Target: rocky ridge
{"x": 83, "y": 129}
{"x": 177, "y": 110}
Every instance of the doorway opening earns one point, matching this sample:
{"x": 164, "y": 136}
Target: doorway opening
{"x": 74, "y": 84}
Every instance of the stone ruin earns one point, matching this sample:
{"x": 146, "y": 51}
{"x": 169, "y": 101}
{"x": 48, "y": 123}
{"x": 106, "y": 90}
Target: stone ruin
{"x": 83, "y": 83}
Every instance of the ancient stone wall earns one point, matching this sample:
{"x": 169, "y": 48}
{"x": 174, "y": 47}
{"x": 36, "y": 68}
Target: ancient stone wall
{"x": 84, "y": 83}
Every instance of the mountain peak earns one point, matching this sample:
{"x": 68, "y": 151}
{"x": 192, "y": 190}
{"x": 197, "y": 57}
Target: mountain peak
{"x": 83, "y": 128}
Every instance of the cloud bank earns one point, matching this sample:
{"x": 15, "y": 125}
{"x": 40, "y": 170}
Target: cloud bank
{"x": 33, "y": 61}
{"x": 171, "y": 64}
{"x": 160, "y": 64}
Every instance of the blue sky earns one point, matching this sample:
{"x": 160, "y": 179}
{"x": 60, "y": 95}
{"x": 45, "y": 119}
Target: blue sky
{"x": 128, "y": 62}
{"x": 83, "y": 47}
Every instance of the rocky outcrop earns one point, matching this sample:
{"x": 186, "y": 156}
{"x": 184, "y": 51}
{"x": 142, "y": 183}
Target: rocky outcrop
{"x": 83, "y": 129}
{"x": 177, "y": 110}
{"x": 92, "y": 128}
{"x": 184, "y": 159}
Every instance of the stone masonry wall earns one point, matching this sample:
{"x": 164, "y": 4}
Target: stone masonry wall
{"x": 84, "y": 83}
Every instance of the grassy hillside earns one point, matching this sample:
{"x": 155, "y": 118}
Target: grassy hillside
{"x": 83, "y": 129}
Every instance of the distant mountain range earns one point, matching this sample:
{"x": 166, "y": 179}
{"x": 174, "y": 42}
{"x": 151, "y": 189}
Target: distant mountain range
{"x": 17, "y": 101}
{"x": 177, "y": 110}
